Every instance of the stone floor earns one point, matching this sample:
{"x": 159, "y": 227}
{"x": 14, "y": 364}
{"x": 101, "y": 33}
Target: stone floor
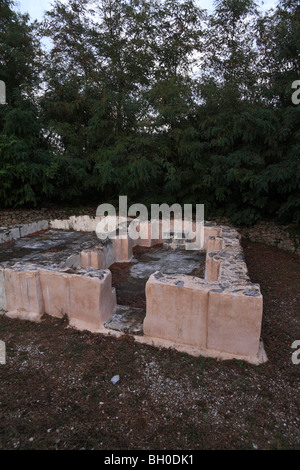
{"x": 52, "y": 247}
{"x": 127, "y": 319}
{"x": 167, "y": 262}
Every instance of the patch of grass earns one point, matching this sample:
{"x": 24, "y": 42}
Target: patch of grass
{"x": 75, "y": 350}
{"x": 281, "y": 442}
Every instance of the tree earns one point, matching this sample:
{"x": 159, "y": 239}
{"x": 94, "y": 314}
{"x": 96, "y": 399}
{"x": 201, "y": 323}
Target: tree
{"x": 246, "y": 149}
{"x": 123, "y": 109}
{"x": 104, "y": 77}
{"x": 278, "y": 41}
{"x": 230, "y": 56}
{"x": 25, "y": 167}
{"x": 20, "y": 53}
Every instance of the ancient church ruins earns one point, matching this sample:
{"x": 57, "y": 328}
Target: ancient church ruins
{"x": 200, "y": 302}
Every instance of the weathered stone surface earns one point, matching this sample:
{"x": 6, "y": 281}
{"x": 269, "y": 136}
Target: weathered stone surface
{"x": 91, "y": 301}
{"x": 127, "y": 319}
{"x": 123, "y": 249}
{"x": 34, "y": 227}
{"x": 234, "y": 323}
{"x": 55, "y": 292}
{"x": 52, "y": 247}
{"x": 167, "y": 262}
{"x": 23, "y": 294}
{"x": 177, "y": 312}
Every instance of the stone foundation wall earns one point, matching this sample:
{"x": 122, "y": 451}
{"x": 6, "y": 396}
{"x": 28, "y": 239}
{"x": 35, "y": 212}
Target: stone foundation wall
{"x": 221, "y": 313}
{"x": 218, "y": 316}
{"x": 8, "y": 234}
{"x": 86, "y": 297}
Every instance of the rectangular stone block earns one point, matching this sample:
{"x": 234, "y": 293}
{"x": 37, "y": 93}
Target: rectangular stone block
{"x": 15, "y": 233}
{"x": 212, "y": 269}
{"x": 92, "y": 301}
{"x": 177, "y": 311}
{"x": 88, "y": 301}
{"x": 55, "y": 292}
{"x": 123, "y": 249}
{"x": 94, "y": 258}
{"x": 58, "y": 224}
{"x": 29, "y": 229}
{"x": 234, "y": 322}
{"x": 110, "y": 256}
{"x": 214, "y": 244}
{"x": 23, "y": 294}
{"x": 210, "y": 232}
{"x": 6, "y": 236}
{"x": 83, "y": 223}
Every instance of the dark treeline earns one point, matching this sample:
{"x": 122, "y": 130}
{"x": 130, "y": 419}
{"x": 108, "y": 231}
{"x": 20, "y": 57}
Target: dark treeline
{"x": 156, "y": 100}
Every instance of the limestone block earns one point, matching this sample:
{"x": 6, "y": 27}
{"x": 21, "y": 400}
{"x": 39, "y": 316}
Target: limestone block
{"x": 234, "y": 322}
{"x": 210, "y": 232}
{"x": 60, "y": 224}
{"x": 55, "y": 292}
{"x": 144, "y": 228}
{"x": 15, "y": 233}
{"x": 23, "y": 294}
{"x": 123, "y": 249}
{"x": 110, "y": 254}
{"x": 214, "y": 244}
{"x": 5, "y": 236}
{"x": 94, "y": 258}
{"x": 88, "y": 301}
{"x": 212, "y": 268}
{"x": 34, "y": 227}
{"x": 177, "y": 310}
{"x": 92, "y": 301}
{"x": 84, "y": 223}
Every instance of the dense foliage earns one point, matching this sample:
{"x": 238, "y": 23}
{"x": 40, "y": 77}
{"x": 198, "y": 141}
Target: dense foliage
{"x": 155, "y": 99}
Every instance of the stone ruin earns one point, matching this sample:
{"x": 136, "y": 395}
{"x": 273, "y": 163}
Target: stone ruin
{"x": 59, "y": 267}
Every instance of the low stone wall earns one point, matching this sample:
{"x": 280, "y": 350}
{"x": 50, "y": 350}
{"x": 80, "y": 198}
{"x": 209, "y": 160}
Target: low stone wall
{"x": 219, "y": 315}
{"x": 8, "y": 234}
{"x": 86, "y": 297}
{"x": 266, "y": 231}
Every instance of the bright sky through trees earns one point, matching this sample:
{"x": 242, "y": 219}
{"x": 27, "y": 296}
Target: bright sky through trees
{"x": 37, "y": 8}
